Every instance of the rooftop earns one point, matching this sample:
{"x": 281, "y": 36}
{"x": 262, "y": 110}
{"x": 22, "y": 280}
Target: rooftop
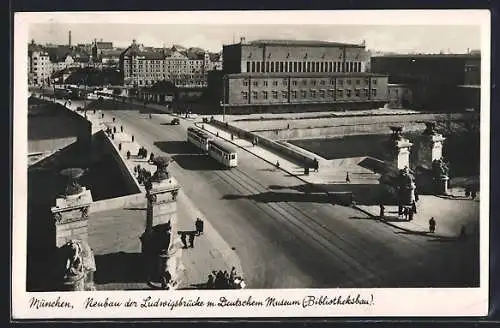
{"x": 310, "y": 74}
{"x": 305, "y": 43}
{"x": 469, "y": 55}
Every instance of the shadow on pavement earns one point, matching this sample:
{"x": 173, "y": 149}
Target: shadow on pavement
{"x": 177, "y": 147}
{"x": 274, "y": 197}
{"x": 119, "y": 267}
{"x": 197, "y": 162}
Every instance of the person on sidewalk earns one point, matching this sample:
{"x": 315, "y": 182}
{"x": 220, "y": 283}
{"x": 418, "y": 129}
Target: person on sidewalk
{"x": 199, "y": 226}
{"x": 277, "y": 164}
{"x": 410, "y": 214}
{"x": 316, "y": 165}
{"x": 382, "y": 211}
{"x": 183, "y": 239}
{"x": 210, "y": 282}
{"x": 432, "y": 225}
{"x": 347, "y": 178}
{"x": 463, "y": 233}
{"x": 191, "y": 239}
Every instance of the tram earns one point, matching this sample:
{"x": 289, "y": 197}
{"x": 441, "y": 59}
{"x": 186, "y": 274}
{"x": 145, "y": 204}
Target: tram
{"x": 198, "y": 138}
{"x": 223, "y": 153}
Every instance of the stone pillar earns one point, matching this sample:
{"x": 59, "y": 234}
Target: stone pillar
{"x": 161, "y": 243}
{"x": 430, "y": 147}
{"x": 71, "y": 217}
{"x": 400, "y": 148}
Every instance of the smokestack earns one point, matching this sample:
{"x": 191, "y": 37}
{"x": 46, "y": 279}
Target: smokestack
{"x": 69, "y": 38}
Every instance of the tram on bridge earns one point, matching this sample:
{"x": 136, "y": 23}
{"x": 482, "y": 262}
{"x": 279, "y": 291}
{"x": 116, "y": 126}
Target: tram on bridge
{"x": 198, "y": 138}
{"x": 223, "y": 153}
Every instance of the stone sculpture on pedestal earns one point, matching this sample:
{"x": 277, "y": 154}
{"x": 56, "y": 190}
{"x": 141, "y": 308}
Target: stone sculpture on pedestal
{"x": 430, "y": 147}
{"x": 440, "y": 175}
{"x": 71, "y": 225}
{"x": 161, "y": 246}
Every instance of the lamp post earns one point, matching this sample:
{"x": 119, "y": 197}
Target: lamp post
{"x": 224, "y": 80}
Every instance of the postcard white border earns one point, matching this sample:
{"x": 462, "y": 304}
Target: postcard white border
{"x": 387, "y": 302}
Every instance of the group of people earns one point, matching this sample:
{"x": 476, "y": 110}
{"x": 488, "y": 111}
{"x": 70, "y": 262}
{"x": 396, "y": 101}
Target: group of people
{"x": 224, "y": 280}
{"x": 470, "y": 192}
{"x": 142, "y": 152}
{"x": 190, "y": 235}
{"x": 143, "y": 174}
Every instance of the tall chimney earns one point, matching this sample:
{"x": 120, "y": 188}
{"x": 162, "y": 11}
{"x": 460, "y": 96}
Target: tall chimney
{"x": 69, "y": 38}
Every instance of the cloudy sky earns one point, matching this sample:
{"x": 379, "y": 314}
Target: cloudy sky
{"x": 407, "y": 38}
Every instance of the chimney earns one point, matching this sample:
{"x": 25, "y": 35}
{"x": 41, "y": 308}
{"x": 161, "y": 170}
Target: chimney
{"x": 69, "y": 38}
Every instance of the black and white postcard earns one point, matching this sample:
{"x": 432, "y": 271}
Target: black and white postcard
{"x": 251, "y": 164}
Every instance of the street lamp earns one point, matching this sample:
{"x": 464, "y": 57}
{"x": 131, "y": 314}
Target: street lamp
{"x": 224, "y": 80}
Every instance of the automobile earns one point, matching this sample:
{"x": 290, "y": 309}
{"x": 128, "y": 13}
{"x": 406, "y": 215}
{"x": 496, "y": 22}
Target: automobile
{"x": 175, "y": 121}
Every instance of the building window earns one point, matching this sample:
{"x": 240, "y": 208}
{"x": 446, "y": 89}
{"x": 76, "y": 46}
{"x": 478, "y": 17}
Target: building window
{"x": 295, "y": 67}
{"x": 358, "y": 81}
{"x": 272, "y": 67}
{"x": 357, "y": 92}
{"x": 267, "y": 67}
{"x": 374, "y": 92}
{"x": 294, "y": 94}
{"x": 322, "y": 93}
{"x": 294, "y": 82}
{"x": 275, "y": 83}
{"x": 303, "y": 93}
{"x": 255, "y": 83}
{"x": 275, "y": 94}
{"x": 340, "y": 83}
{"x": 366, "y": 92}
{"x": 322, "y": 82}
{"x": 317, "y": 67}
{"x": 308, "y": 67}
{"x": 264, "y": 94}
{"x": 258, "y": 67}
{"x": 312, "y": 93}
{"x": 264, "y": 83}
{"x": 340, "y": 93}
{"x": 304, "y": 82}
{"x": 348, "y": 81}
{"x": 367, "y": 81}
{"x": 255, "y": 95}
{"x": 348, "y": 93}
{"x": 285, "y": 82}
{"x": 330, "y": 66}
{"x": 313, "y": 82}
{"x": 374, "y": 81}
{"x": 253, "y": 66}
{"x": 244, "y": 94}
{"x": 245, "y": 83}
{"x": 284, "y": 94}
{"x": 332, "y": 82}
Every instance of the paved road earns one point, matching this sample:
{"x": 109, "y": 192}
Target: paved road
{"x": 288, "y": 239}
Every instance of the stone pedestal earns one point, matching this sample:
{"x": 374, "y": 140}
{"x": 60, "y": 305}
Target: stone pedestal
{"x": 71, "y": 217}
{"x": 401, "y": 153}
{"x": 430, "y": 148}
{"x": 441, "y": 185}
{"x": 161, "y": 244}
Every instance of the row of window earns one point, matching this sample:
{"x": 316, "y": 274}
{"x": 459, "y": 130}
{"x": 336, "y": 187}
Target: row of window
{"x": 340, "y": 82}
{"x": 183, "y": 82}
{"x": 311, "y": 94}
{"x": 302, "y": 67}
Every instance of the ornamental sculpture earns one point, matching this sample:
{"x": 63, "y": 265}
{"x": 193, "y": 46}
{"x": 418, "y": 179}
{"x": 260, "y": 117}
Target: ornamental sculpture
{"x": 161, "y": 172}
{"x": 440, "y": 168}
{"x": 72, "y": 185}
{"x": 430, "y": 128}
{"x": 78, "y": 260}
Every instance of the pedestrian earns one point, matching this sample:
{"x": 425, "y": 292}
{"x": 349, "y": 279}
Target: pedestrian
{"x": 210, "y": 282}
{"x": 382, "y": 211}
{"x": 414, "y": 208}
{"x": 463, "y": 234}
{"x": 191, "y": 239}
{"x": 432, "y": 225}
{"x": 121, "y": 128}
{"x": 416, "y": 196}
{"x": 410, "y": 215}
{"x": 288, "y": 126}
{"x": 183, "y": 239}
{"x": 151, "y": 157}
{"x": 199, "y": 226}
{"x": 277, "y": 164}
{"x": 467, "y": 192}
{"x": 232, "y": 275}
{"x": 114, "y": 119}
{"x": 347, "y": 178}
{"x": 133, "y": 138}
{"x": 473, "y": 194}
{"x": 405, "y": 213}
{"x": 114, "y": 129}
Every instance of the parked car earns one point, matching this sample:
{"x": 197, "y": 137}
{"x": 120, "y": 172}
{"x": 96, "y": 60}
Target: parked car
{"x": 175, "y": 121}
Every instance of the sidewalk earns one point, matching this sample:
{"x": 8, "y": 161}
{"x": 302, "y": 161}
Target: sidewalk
{"x": 450, "y": 212}
{"x": 211, "y": 252}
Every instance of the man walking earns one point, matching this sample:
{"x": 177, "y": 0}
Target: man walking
{"x": 347, "y": 178}
{"x": 191, "y": 239}
{"x": 199, "y": 226}
{"x": 432, "y": 225}
{"x": 183, "y": 239}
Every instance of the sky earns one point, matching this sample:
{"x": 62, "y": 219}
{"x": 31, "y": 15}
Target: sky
{"x": 388, "y": 38}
